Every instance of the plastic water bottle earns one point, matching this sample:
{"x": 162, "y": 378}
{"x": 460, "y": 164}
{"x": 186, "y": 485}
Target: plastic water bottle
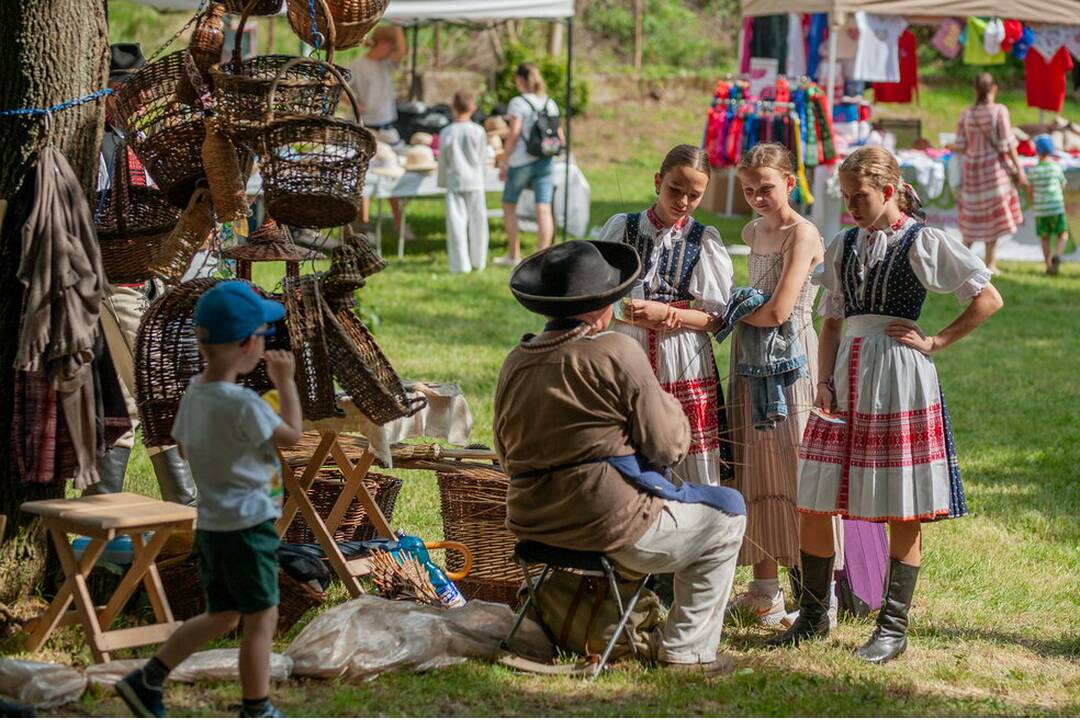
{"x": 447, "y": 591}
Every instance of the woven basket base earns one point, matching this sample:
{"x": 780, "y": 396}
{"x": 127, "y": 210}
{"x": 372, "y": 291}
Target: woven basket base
{"x": 311, "y": 211}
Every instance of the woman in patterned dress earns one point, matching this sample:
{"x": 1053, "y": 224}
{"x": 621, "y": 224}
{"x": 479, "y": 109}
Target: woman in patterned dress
{"x": 686, "y": 284}
{"x": 891, "y": 457}
{"x": 988, "y": 204}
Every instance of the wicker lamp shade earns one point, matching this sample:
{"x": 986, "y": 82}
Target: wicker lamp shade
{"x": 271, "y": 242}
{"x": 352, "y": 19}
{"x": 474, "y": 513}
{"x": 164, "y": 132}
{"x": 167, "y": 357}
{"x": 242, "y": 88}
{"x": 133, "y": 225}
{"x": 313, "y": 167}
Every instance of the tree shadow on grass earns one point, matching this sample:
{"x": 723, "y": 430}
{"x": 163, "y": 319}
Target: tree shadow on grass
{"x": 1065, "y": 648}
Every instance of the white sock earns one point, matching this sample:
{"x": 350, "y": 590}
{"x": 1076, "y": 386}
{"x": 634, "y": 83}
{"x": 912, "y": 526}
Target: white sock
{"x": 769, "y": 587}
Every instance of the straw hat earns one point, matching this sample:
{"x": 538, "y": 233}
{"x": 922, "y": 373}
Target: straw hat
{"x": 421, "y": 138}
{"x": 386, "y": 162}
{"x": 270, "y": 242}
{"x": 497, "y": 124}
{"x": 420, "y": 158}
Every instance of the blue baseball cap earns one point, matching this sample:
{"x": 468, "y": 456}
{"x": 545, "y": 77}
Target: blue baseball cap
{"x": 1044, "y": 145}
{"x": 232, "y": 311}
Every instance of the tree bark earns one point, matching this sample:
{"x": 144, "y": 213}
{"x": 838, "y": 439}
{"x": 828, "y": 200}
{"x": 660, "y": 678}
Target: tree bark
{"x": 54, "y": 50}
{"x": 639, "y": 32}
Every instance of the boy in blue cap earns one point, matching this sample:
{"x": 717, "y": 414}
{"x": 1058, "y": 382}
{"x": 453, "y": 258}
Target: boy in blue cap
{"x": 228, "y": 433}
{"x": 1046, "y": 182}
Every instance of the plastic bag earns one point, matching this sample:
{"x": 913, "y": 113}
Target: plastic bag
{"x": 43, "y": 685}
{"x": 372, "y": 635}
{"x": 221, "y": 664}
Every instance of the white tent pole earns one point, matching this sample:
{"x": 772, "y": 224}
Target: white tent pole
{"x": 836, "y": 25}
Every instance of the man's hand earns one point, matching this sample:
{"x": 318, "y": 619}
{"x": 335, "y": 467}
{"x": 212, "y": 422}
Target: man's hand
{"x": 280, "y": 366}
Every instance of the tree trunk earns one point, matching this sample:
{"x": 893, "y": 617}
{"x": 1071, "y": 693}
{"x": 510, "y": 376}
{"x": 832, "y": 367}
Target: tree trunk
{"x": 555, "y": 38}
{"x": 639, "y": 32}
{"x": 54, "y": 50}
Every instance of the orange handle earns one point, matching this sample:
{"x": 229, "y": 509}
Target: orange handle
{"x": 458, "y": 548}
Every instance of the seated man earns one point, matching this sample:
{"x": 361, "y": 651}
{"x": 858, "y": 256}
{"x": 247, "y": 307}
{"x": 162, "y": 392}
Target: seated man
{"x": 573, "y": 405}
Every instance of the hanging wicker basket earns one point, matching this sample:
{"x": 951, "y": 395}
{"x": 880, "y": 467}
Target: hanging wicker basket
{"x": 314, "y": 374}
{"x": 224, "y": 176}
{"x": 167, "y": 357}
{"x": 353, "y": 19}
{"x": 194, "y": 228}
{"x": 204, "y": 50}
{"x": 242, "y": 88}
{"x": 313, "y": 167}
{"x": 134, "y": 224}
{"x": 255, "y": 7}
{"x": 473, "y": 504}
{"x": 362, "y": 369}
{"x": 165, "y": 133}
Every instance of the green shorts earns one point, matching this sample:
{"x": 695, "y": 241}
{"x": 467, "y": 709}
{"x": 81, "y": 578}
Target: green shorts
{"x": 239, "y": 568}
{"x": 1051, "y": 226}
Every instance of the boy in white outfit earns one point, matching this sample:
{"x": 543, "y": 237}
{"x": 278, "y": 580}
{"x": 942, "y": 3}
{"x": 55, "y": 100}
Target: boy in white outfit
{"x": 462, "y": 153}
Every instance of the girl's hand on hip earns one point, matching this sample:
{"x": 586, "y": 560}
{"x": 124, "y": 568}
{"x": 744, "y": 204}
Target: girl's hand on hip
{"x": 912, "y": 337}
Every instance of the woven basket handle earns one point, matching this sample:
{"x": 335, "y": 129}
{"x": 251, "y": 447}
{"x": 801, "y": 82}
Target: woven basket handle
{"x": 458, "y": 548}
{"x": 313, "y": 61}
{"x": 331, "y": 32}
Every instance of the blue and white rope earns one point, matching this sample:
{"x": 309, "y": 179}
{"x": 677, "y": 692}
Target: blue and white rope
{"x": 75, "y": 102}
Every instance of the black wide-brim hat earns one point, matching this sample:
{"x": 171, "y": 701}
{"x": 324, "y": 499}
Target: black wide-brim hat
{"x": 124, "y": 59}
{"x": 575, "y": 277}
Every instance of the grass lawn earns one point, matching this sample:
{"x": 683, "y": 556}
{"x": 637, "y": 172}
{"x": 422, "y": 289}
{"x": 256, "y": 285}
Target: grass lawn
{"x": 994, "y": 626}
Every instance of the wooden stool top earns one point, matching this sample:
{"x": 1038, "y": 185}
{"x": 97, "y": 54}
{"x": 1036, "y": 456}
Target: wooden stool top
{"x": 114, "y": 511}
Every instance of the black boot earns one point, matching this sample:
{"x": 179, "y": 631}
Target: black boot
{"x": 174, "y": 477}
{"x": 111, "y": 470}
{"x": 889, "y": 638}
{"x": 813, "y": 620}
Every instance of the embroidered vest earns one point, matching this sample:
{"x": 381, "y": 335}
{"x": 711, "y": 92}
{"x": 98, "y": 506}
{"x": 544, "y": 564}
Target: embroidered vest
{"x": 890, "y": 287}
{"x": 675, "y": 265}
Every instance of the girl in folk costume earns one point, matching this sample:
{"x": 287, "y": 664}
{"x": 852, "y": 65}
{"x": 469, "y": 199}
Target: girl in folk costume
{"x": 891, "y": 458}
{"x": 685, "y": 286}
{"x": 784, "y": 248}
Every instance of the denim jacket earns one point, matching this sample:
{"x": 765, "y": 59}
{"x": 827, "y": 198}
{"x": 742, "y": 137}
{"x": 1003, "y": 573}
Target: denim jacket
{"x": 771, "y": 357}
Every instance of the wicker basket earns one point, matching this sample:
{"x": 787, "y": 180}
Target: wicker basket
{"x": 325, "y": 491}
{"x": 353, "y": 20}
{"x": 167, "y": 357}
{"x": 242, "y": 89}
{"x": 474, "y": 513}
{"x": 183, "y": 588}
{"x": 134, "y": 225}
{"x": 224, "y": 176}
{"x": 314, "y": 374}
{"x": 195, "y": 227}
{"x": 164, "y": 132}
{"x": 204, "y": 49}
{"x": 255, "y": 7}
{"x": 362, "y": 369}
{"x": 313, "y": 167}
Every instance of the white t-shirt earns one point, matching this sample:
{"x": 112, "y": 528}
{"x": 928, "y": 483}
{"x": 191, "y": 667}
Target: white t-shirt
{"x": 519, "y": 107}
{"x": 225, "y": 431}
{"x": 462, "y": 156}
{"x": 373, "y": 83}
{"x": 877, "y": 58}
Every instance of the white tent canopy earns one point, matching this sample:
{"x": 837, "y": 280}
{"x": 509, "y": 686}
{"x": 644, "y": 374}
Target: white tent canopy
{"x": 1065, "y": 12}
{"x": 411, "y": 10}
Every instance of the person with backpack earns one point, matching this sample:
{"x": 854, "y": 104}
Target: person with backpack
{"x": 529, "y": 159}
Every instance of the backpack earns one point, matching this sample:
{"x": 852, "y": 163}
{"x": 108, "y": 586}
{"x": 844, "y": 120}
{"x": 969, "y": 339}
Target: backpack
{"x": 579, "y": 614}
{"x": 543, "y": 140}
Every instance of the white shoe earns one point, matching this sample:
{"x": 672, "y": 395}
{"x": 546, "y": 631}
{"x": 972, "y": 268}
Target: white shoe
{"x": 505, "y": 261}
{"x": 762, "y": 608}
{"x": 834, "y": 609}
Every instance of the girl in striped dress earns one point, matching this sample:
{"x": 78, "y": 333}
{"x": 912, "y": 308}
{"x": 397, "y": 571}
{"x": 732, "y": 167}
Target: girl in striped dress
{"x": 988, "y": 204}
{"x": 686, "y": 281}
{"x": 891, "y": 458}
{"x": 784, "y": 248}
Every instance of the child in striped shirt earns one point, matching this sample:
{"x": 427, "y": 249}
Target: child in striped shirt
{"x": 1045, "y": 192}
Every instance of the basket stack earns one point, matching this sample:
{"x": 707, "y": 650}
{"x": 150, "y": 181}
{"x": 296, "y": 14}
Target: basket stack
{"x": 474, "y": 513}
{"x": 324, "y": 493}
